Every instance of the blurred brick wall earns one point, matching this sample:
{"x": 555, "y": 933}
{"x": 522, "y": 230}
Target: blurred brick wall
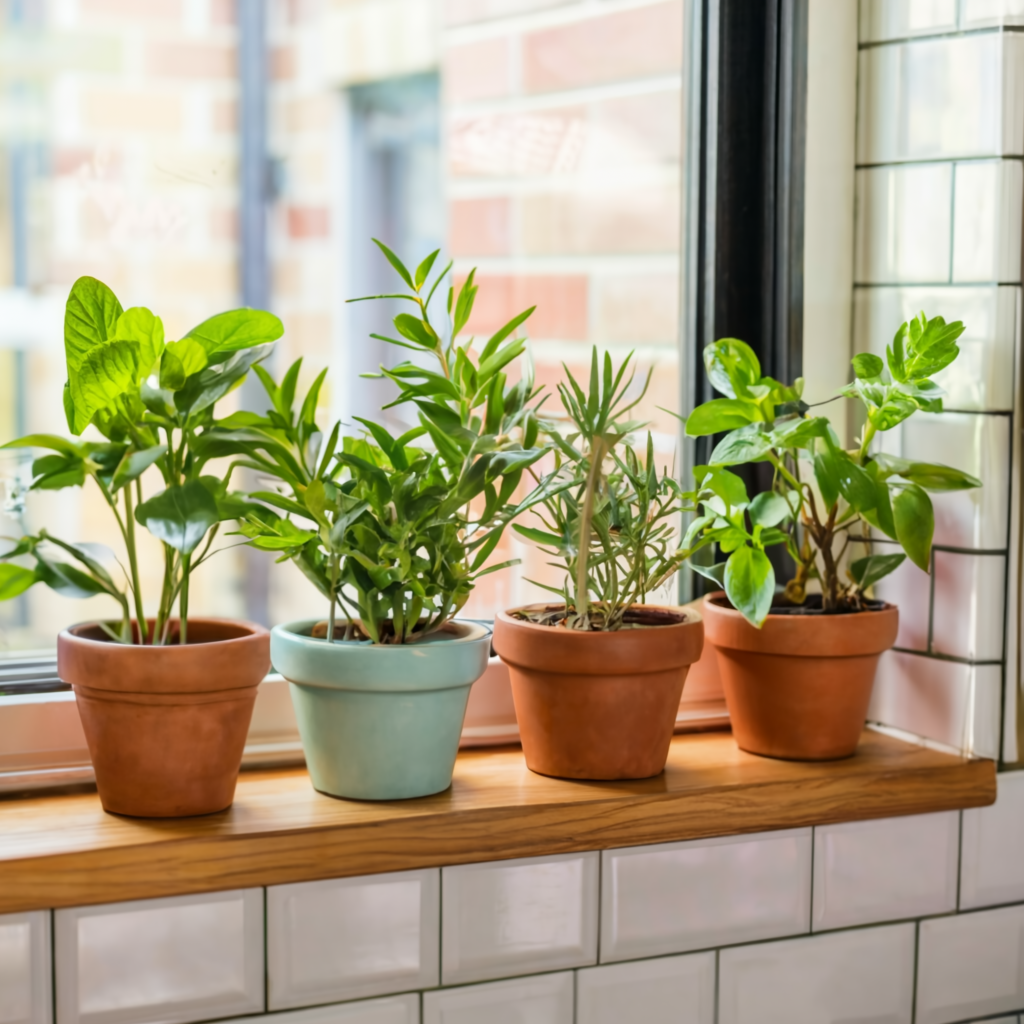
{"x": 563, "y": 145}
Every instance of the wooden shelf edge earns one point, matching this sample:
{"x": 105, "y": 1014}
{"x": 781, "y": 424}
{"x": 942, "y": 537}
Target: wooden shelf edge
{"x": 182, "y": 858}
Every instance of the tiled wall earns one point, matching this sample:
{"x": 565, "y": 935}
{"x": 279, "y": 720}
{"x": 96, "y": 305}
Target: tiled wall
{"x": 940, "y": 137}
{"x": 893, "y": 921}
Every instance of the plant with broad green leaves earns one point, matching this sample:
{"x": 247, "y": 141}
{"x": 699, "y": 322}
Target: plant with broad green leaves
{"x": 395, "y": 531}
{"x": 152, "y": 401}
{"x": 608, "y": 515}
{"x": 823, "y": 497}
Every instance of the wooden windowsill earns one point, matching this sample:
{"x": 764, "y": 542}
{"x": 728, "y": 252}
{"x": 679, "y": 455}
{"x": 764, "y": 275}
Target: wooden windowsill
{"x": 60, "y": 851}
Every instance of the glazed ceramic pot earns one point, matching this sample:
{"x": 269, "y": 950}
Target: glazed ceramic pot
{"x": 166, "y": 726}
{"x": 798, "y": 688}
{"x": 596, "y": 705}
{"x": 381, "y": 722}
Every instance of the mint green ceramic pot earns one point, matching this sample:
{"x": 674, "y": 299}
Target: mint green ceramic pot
{"x": 381, "y": 722}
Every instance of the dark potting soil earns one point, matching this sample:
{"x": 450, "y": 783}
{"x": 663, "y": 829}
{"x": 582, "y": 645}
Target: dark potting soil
{"x": 812, "y": 606}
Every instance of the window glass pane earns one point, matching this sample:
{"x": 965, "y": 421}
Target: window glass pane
{"x": 538, "y": 140}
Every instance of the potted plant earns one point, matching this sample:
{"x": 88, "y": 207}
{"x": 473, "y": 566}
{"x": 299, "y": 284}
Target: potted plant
{"x": 597, "y": 676}
{"x": 798, "y": 666}
{"x": 394, "y": 532}
{"x": 165, "y": 701}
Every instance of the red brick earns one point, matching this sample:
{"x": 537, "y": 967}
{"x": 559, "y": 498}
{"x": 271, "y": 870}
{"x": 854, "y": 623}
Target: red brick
{"x": 223, "y": 12}
{"x": 190, "y": 60}
{"x": 131, "y": 10}
{"x": 464, "y": 12}
{"x": 282, "y": 62}
{"x": 637, "y": 309}
{"x": 224, "y": 224}
{"x": 643, "y": 129}
{"x": 309, "y": 222}
{"x": 638, "y": 43}
{"x": 479, "y": 227}
{"x": 477, "y": 71}
{"x": 70, "y": 159}
{"x": 534, "y": 143}
{"x": 224, "y": 116}
{"x": 561, "y": 302}
{"x": 635, "y": 220}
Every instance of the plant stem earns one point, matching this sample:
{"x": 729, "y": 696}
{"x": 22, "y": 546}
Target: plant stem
{"x": 597, "y": 452}
{"x": 133, "y": 563}
{"x": 186, "y": 568}
{"x": 331, "y": 615}
{"x": 869, "y": 433}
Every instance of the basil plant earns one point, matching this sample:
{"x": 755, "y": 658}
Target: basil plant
{"x": 823, "y": 497}
{"x": 150, "y": 403}
{"x": 395, "y": 531}
{"x": 609, "y": 517}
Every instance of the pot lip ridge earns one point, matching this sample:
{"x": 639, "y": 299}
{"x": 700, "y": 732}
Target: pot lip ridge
{"x": 290, "y": 632}
{"x": 70, "y": 635}
{"x": 711, "y": 603}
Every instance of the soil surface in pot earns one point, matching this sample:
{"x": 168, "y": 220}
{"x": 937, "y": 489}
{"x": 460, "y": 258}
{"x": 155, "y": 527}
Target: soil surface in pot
{"x": 637, "y": 617}
{"x": 813, "y": 605}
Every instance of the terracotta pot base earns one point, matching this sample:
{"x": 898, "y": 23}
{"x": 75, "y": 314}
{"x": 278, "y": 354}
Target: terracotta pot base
{"x": 598, "y": 706}
{"x": 166, "y": 726}
{"x": 799, "y": 687}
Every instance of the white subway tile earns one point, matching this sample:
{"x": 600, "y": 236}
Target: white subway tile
{"x": 909, "y": 588}
{"x": 867, "y": 872}
{"x": 391, "y": 1010}
{"x": 976, "y": 444}
{"x": 542, "y": 999}
{"x": 947, "y": 701}
{"x": 970, "y": 965}
{"x": 352, "y": 937}
{"x": 987, "y": 221}
{"x": 516, "y": 916}
{"x": 992, "y": 866}
{"x": 26, "y": 985}
{"x": 932, "y": 99}
{"x": 983, "y": 13}
{"x": 677, "y": 897}
{"x": 967, "y": 618}
{"x": 668, "y": 990}
{"x": 982, "y": 377}
{"x": 166, "y": 961}
{"x": 865, "y": 975}
{"x": 897, "y": 19}
{"x": 904, "y": 224}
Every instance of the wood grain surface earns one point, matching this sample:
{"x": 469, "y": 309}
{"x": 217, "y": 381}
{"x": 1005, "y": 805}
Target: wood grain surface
{"x": 63, "y": 850}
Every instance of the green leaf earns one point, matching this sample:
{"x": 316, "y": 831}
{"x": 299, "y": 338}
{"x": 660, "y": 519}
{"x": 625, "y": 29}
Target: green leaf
{"x": 769, "y": 509}
{"x": 235, "y": 330}
{"x": 90, "y": 319}
{"x": 880, "y": 517}
{"x": 396, "y": 263}
{"x": 52, "y": 441}
{"x": 732, "y": 366}
{"x": 15, "y": 580}
{"x": 715, "y": 573}
{"x": 423, "y": 270}
{"x": 728, "y": 486}
{"x": 750, "y": 583}
{"x": 933, "y": 476}
{"x": 418, "y": 331}
{"x": 180, "y": 516}
{"x": 915, "y": 524}
{"x": 53, "y": 472}
{"x": 500, "y": 335}
{"x": 139, "y": 325}
{"x": 867, "y": 366}
{"x": 541, "y": 537}
{"x": 135, "y": 463}
{"x": 799, "y": 433}
{"x": 464, "y": 304}
{"x": 747, "y": 444}
{"x": 721, "y": 414}
{"x": 855, "y": 484}
{"x": 186, "y": 358}
{"x": 107, "y": 372}
{"x": 67, "y": 580}
{"x": 208, "y": 386}
{"x": 867, "y": 571}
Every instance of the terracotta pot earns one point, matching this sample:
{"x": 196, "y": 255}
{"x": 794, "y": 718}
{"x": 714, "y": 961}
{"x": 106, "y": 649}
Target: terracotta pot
{"x": 798, "y": 688}
{"x": 597, "y": 705}
{"x": 166, "y": 726}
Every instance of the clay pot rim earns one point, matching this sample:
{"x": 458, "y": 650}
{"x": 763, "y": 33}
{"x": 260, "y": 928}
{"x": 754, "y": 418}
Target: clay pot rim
{"x": 718, "y": 599}
{"x": 803, "y": 636}
{"x": 71, "y": 635}
{"x": 690, "y": 617}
